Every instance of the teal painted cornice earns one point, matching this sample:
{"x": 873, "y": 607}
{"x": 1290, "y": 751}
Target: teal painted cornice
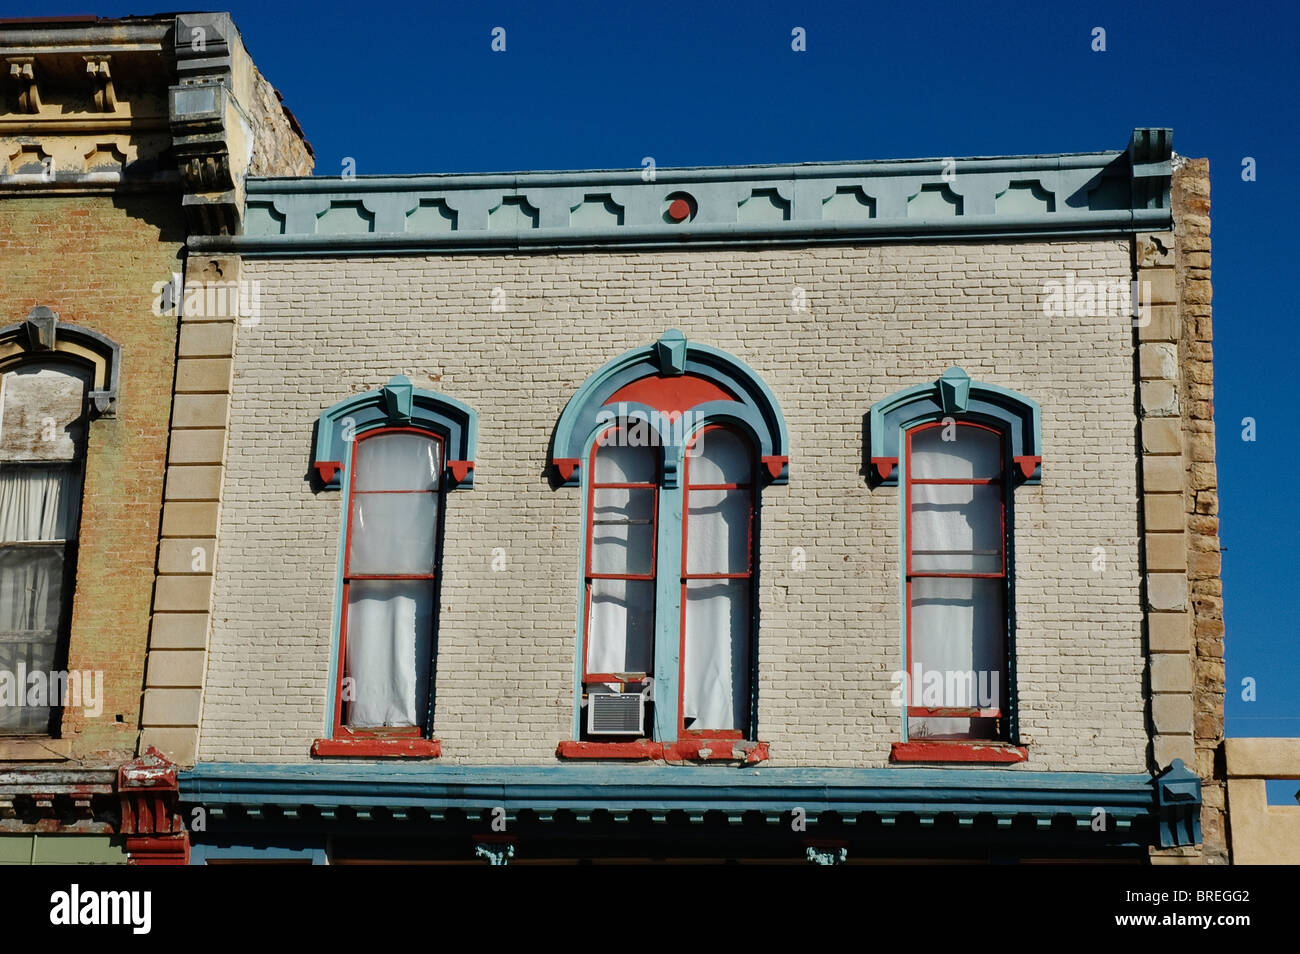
{"x": 915, "y": 200}
{"x": 1166, "y": 806}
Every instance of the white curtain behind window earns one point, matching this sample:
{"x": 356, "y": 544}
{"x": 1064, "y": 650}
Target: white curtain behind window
{"x": 716, "y": 690}
{"x": 620, "y": 623}
{"x": 42, "y": 426}
{"x": 394, "y": 529}
{"x": 958, "y": 623}
{"x": 389, "y": 627}
{"x": 38, "y": 503}
{"x": 716, "y": 668}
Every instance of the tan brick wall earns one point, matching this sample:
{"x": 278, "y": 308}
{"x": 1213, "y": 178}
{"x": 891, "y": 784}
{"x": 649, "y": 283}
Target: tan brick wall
{"x": 94, "y": 260}
{"x": 879, "y": 319}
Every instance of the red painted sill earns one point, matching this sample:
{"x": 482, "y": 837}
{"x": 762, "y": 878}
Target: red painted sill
{"x": 685, "y": 750}
{"x": 377, "y": 748}
{"x": 999, "y": 752}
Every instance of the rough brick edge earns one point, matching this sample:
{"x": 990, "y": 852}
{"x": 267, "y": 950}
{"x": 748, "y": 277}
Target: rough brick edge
{"x": 1191, "y": 203}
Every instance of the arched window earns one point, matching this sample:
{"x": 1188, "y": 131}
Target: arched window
{"x": 962, "y": 447}
{"x": 622, "y": 507}
{"x": 43, "y": 417}
{"x": 956, "y": 582}
{"x": 719, "y": 553}
{"x": 389, "y": 576}
{"x": 672, "y": 445}
{"x": 55, "y": 378}
{"x": 395, "y": 453}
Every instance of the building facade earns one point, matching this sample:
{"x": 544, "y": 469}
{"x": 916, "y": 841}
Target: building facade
{"x": 830, "y": 512}
{"x": 833, "y": 511}
{"x": 118, "y": 139}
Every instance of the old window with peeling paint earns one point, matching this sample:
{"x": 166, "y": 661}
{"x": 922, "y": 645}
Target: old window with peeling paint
{"x": 42, "y": 458}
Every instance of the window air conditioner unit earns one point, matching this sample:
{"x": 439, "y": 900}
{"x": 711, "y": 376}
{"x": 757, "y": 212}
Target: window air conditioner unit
{"x": 615, "y": 713}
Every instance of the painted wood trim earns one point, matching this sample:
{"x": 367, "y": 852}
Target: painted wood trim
{"x": 982, "y": 752}
{"x": 377, "y": 748}
{"x": 683, "y": 750}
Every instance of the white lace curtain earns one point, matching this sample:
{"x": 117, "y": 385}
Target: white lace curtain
{"x": 394, "y": 532}
{"x": 958, "y": 623}
{"x": 36, "y": 504}
{"x": 716, "y": 670}
{"x": 620, "y": 631}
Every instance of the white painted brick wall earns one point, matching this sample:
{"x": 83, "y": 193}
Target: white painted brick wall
{"x": 880, "y": 318}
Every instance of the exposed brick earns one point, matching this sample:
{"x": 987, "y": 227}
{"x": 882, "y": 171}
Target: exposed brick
{"x": 1079, "y": 641}
{"x": 95, "y": 260}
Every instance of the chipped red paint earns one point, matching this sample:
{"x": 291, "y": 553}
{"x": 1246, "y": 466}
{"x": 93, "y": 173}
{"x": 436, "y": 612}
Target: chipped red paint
{"x": 957, "y": 752}
{"x": 460, "y": 469}
{"x": 1028, "y": 464}
{"x": 376, "y": 747}
{"x": 884, "y": 466}
{"x": 670, "y": 394}
{"x": 159, "y": 851}
{"x": 565, "y": 466}
{"x": 150, "y": 793}
{"x": 775, "y": 464}
{"x": 684, "y": 750}
{"x": 327, "y": 469}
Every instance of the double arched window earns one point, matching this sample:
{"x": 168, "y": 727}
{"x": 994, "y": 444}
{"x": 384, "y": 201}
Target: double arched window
{"x": 671, "y": 445}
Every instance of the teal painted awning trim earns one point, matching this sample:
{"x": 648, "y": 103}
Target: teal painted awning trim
{"x": 1170, "y": 800}
{"x": 1003, "y": 197}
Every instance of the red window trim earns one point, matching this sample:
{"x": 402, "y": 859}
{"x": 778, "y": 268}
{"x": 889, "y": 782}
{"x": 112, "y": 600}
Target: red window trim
{"x": 751, "y": 487}
{"x": 379, "y": 741}
{"x": 938, "y": 749}
{"x": 363, "y": 746}
{"x": 699, "y": 749}
{"x": 588, "y": 574}
{"x": 951, "y": 751}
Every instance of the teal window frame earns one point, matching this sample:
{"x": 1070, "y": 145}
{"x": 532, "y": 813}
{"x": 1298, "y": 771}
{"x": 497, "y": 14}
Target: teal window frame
{"x": 754, "y": 413}
{"x": 398, "y": 404}
{"x": 957, "y": 398}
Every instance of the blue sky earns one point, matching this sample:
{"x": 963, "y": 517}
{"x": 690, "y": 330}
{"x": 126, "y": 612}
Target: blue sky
{"x": 415, "y": 87}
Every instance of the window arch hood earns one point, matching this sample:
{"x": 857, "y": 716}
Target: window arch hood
{"x": 596, "y": 404}
{"x": 397, "y": 404}
{"x": 957, "y": 396}
{"x": 43, "y": 336}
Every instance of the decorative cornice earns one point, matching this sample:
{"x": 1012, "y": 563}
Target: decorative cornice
{"x": 927, "y": 199}
{"x": 1135, "y": 810}
{"x": 149, "y": 790}
{"x": 66, "y": 800}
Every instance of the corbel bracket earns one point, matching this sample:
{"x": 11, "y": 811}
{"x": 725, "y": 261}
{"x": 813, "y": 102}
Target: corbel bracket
{"x": 101, "y": 82}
